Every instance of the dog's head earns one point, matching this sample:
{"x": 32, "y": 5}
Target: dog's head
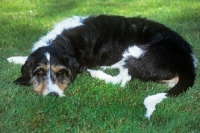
{"x": 49, "y": 70}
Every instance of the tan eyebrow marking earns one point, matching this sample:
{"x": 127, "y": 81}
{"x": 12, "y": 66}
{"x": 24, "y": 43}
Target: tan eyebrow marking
{"x": 42, "y": 66}
{"x": 58, "y": 68}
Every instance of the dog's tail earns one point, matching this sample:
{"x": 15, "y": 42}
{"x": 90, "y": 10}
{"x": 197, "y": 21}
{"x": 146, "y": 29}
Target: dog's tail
{"x": 186, "y": 77}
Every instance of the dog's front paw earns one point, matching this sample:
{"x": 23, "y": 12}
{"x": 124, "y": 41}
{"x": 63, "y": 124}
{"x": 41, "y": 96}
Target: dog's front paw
{"x": 93, "y": 73}
{"x": 17, "y": 59}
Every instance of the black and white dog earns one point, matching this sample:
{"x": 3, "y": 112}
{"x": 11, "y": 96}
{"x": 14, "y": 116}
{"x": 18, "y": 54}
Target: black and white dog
{"x": 138, "y": 47}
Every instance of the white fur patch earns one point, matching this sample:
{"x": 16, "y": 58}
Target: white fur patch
{"x": 151, "y": 101}
{"x": 51, "y": 87}
{"x": 59, "y": 27}
{"x": 125, "y": 77}
{"x": 116, "y": 65}
{"x": 122, "y": 77}
{"x": 47, "y": 54}
{"x": 101, "y": 75}
{"x": 134, "y": 51}
{"x": 17, "y": 59}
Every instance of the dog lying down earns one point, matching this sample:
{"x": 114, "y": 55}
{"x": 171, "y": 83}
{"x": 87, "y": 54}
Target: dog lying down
{"x": 138, "y": 47}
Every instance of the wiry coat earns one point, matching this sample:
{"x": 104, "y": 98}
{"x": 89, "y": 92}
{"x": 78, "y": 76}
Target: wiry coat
{"x": 140, "y": 48}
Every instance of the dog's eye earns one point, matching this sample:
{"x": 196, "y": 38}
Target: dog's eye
{"x": 39, "y": 71}
{"x": 61, "y": 72}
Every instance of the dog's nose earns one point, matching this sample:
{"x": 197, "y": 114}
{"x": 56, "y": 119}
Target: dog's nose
{"x": 53, "y": 94}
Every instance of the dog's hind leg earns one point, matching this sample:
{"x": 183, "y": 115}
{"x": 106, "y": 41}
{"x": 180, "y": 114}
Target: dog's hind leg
{"x": 122, "y": 77}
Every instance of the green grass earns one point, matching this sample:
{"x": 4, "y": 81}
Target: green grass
{"x": 91, "y": 105}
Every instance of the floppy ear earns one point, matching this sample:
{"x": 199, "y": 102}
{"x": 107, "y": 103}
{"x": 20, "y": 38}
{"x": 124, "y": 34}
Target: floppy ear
{"x": 26, "y": 74}
{"x": 23, "y": 81}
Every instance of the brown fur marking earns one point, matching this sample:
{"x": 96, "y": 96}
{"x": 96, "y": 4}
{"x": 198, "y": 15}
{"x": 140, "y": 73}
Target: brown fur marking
{"x": 171, "y": 82}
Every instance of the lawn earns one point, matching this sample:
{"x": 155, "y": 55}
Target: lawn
{"x": 91, "y": 105}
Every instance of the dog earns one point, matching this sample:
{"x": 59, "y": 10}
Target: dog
{"x": 138, "y": 47}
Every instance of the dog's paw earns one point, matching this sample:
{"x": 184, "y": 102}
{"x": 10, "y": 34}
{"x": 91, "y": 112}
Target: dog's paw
{"x": 93, "y": 73}
{"x": 150, "y": 103}
{"x": 17, "y": 59}
{"x": 99, "y": 74}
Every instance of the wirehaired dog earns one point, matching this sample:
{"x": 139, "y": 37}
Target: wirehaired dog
{"x": 138, "y": 47}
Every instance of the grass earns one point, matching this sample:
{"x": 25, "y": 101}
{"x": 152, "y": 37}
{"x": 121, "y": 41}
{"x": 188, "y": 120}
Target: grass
{"x": 91, "y": 105}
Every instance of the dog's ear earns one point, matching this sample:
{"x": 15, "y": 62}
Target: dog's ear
{"x": 26, "y": 73}
{"x": 23, "y": 81}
